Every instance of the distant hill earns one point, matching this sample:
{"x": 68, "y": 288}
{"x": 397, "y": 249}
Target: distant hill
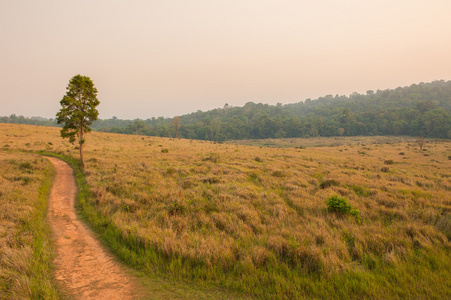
{"x": 418, "y": 110}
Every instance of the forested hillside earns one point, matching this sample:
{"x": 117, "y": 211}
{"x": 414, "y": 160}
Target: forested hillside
{"x": 418, "y": 110}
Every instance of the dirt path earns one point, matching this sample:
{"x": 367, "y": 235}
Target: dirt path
{"x": 83, "y": 267}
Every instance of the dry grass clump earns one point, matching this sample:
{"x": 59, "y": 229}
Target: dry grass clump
{"x": 25, "y": 255}
{"x": 215, "y": 212}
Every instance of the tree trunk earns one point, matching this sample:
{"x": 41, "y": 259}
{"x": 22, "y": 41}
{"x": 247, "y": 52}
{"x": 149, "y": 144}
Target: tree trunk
{"x": 81, "y": 156}
{"x": 81, "y": 143}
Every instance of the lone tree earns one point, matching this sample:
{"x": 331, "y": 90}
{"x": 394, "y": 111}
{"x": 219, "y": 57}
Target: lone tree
{"x": 78, "y": 110}
{"x": 420, "y": 141}
{"x": 176, "y": 124}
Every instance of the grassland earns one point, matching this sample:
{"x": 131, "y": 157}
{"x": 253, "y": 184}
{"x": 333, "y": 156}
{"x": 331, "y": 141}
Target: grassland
{"x": 255, "y": 220}
{"x": 25, "y": 250}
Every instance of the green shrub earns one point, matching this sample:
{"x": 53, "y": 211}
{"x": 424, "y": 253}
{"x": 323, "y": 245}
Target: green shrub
{"x": 164, "y": 150}
{"x": 341, "y": 205}
{"x": 338, "y": 204}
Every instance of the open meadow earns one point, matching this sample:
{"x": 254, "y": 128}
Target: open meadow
{"x": 254, "y": 219}
{"x": 25, "y": 249}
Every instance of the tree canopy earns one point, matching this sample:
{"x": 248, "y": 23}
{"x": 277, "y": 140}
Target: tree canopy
{"x": 78, "y": 110}
{"x": 419, "y": 109}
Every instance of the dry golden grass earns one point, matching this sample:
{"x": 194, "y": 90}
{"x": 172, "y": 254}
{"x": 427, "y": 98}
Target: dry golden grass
{"x": 25, "y": 253}
{"x": 251, "y": 210}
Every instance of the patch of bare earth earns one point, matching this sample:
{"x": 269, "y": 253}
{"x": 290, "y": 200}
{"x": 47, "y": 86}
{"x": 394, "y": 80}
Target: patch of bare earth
{"x": 83, "y": 268}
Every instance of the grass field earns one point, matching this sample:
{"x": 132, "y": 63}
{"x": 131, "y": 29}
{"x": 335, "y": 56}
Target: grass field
{"x": 255, "y": 220}
{"x": 25, "y": 250}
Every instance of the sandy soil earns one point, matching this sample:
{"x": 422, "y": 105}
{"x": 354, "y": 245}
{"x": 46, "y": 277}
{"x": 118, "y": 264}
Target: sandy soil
{"x": 84, "y": 269}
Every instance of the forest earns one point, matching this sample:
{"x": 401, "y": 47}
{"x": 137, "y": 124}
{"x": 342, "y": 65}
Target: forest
{"x": 422, "y": 109}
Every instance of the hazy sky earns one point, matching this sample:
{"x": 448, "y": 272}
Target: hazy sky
{"x": 171, "y": 57}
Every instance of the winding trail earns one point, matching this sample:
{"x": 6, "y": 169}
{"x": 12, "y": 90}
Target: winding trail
{"x": 83, "y": 268}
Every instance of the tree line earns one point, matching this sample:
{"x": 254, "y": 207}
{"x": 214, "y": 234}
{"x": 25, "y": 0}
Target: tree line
{"x": 418, "y": 110}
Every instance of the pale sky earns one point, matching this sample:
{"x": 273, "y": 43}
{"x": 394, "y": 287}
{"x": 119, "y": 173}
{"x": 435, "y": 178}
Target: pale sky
{"x": 172, "y": 57}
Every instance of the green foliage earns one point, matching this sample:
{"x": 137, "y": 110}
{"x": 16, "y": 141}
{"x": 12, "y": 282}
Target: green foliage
{"x": 402, "y": 111}
{"x": 338, "y": 204}
{"x": 341, "y": 205}
{"x": 78, "y": 110}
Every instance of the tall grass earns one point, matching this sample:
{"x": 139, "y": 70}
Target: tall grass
{"x": 25, "y": 250}
{"x": 213, "y": 214}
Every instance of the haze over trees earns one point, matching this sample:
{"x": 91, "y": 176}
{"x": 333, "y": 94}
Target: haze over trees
{"x": 418, "y": 110}
{"x": 78, "y": 110}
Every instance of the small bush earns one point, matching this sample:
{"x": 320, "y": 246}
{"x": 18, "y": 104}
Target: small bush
{"x": 338, "y": 204}
{"x": 385, "y": 169}
{"x": 389, "y": 162}
{"x": 402, "y": 153}
{"x": 258, "y": 159}
{"x": 341, "y": 205}
{"x": 165, "y": 150}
